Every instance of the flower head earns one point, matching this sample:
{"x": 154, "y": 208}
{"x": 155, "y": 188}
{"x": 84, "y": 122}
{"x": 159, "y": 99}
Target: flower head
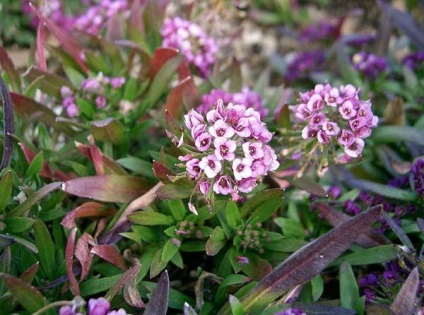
{"x": 369, "y": 65}
{"x": 230, "y": 152}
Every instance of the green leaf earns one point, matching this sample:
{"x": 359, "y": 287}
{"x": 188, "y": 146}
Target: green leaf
{"x": 383, "y": 190}
{"x": 176, "y": 190}
{"x": 96, "y": 62}
{"x": 177, "y": 209}
{"x": 216, "y": 241}
{"x": 236, "y": 307}
{"x": 349, "y": 291}
{"x": 46, "y": 249}
{"x": 145, "y": 233}
{"x": 95, "y": 285}
{"x": 150, "y": 218}
{"x": 108, "y": 129}
{"x": 168, "y": 251}
{"x": 285, "y": 245}
{"x": 232, "y": 214}
{"x": 27, "y": 295}
{"x": 317, "y": 285}
{"x": 33, "y": 199}
{"x": 136, "y": 165}
{"x": 6, "y": 240}
{"x": 132, "y": 89}
{"x": 259, "y": 199}
{"x": 385, "y": 134}
{"x": 368, "y": 256}
{"x": 6, "y": 186}
{"x": 50, "y": 83}
{"x": 157, "y": 266}
{"x": 193, "y": 246}
{"x": 18, "y": 224}
{"x": 291, "y": 228}
{"x": 266, "y": 209}
{"x": 35, "y": 166}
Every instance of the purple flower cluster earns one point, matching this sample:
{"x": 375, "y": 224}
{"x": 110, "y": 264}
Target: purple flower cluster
{"x": 413, "y": 60}
{"x": 418, "y": 177}
{"x": 98, "y": 15}
{"x": 230, "y": 151}
{"x": 317, "y": 32}
{"x": 246, "y": 96}
{"x": 292, "y": 311}
{"x": 303, "y": 63}
{"x": 193, "y": 42}
{"x": 370, "y": 65}
{"x": 52, "y": 9}
{"x": 99, "y": 306}
{"x": 335, "y": 115}
{"x": 95, "y": 86}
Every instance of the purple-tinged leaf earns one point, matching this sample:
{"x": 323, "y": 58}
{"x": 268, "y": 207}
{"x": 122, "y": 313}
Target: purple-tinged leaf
{"x": 83, "y": 253}
{"x": 318, "y": 309}
{"x": 33, "y": 111}
{"x": 158, "y": 303}
{"x": 130, "y": 291}
{"x": 216, "y": 241}
{"x": 96, "y": 157}
{"x": 310, "y": 186}
{"x": 6, "y": 240}
{"x": 398, "y": 231}
{"x": 108, "y": 129}
{"x": 420, "y": 223}
{"x": 129, "y": 276}
{"x": 65, "y": 39}
{"x": 50, "y": 84}
{"x": 8, "y": 66}
{"x": 335, "y": 218}
{"x": 33, "y": 199}
{"x": 8, "y": 125}
{"x": 307, "y": 262}
{"x": 69, "y": 257}
{"x": 87, "y": 209}
{"x": 27, "y": 295}
{"x": 160, "y": 57}
{"x": 178, "y": 95}
{"x": 405, "y": 300}
{"x": 110, "y": 254}
{"x": 257, "y": 268}
{"x": 29, "y": 274}
{"x": 124, "y": 188}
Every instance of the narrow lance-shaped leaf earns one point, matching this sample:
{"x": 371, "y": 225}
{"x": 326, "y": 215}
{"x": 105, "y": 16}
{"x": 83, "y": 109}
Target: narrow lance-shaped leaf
{"x": 46, "y": 248}
{"x": 50, "y": 84}
{"x": 109, "y": 129}
{"x": 8, "y": 124}
{"x": 349, "y": 291}
{"x": 405, "y": 300}
{"x": 128, "y": 276}
{"x": 69, "y": 256}
{"x": 158, "y": 303}
{"x": 110, "y": 254}
{"x": 6, "y": 186}
{"x": 8, "y": 66}
{"x": 306, "y": 263}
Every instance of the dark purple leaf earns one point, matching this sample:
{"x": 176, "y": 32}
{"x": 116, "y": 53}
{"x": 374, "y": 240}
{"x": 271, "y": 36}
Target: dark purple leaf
{"x": 162, "y": 172}
{"x": 158, "y": 303}
{"x": 87, "y": 209}
{"x": 398, "y": 231}
{"x": 110, "y": 254}
{"x": 405, "y": 300}
{"x": 307, "y": 184}
{"x": 8, "y": 125}
{"x": 83, "y": 253}
{"x": 307, "y": 262}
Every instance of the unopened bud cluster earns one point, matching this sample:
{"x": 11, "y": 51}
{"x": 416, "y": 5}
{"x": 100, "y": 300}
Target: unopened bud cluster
{"x": 228, "y": 150}
{"x": 252, "y": 237}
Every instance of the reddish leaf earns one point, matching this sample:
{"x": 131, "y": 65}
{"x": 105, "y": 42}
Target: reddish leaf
{"x": 83, "y": 254}
{"x": 33, "y": 111}
{"x": 87, "y": 209}
{"x": 162, "y": 172}
{"x": 124, "y": 188}
{"x": 160, "y": 57}
{"x": 405, "y": 300}
{"x": 96, "y": 156}
{"x": 257, "y": 268}
{"x": 65, "y": 39}
{"x": 176, "y": 98}
{"x": 69, "y": 256}
{"x": 110, "y": 254}
{"x": 29, "y": 274}
{"x": 111, "y": 167}
{"x": 8, "y": 66}
{"x": 335, "y": 218}
{"x": 41, "y": 56}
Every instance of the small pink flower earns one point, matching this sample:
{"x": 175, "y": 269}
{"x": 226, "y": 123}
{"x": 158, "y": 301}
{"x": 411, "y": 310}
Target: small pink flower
{"x": 317, "y": 120}
{"x": 330, "y": 128}
{"x": 99, "y": 306}
{"x": 363, "y": 132}
{"x": 204, "y": 186}
{"x": 357, "y": 123}
{"x": 258, "y": 168}
{"x": 65, "y": 91}
{"x": 246, "y": 185}
{"x": 309, "y": 133}
{"x": 192, "y": 209}
{"x": 224, "y": 149}
{"x": 241, "y": 168}
{"x": 346, "y": 138}
{"x": 315, "y": 103}
{"x": 203, "y": 142}
{"x": 241, "y": 128}
{"x": 332, "y": 97}
{"x": 347, "y": 110}
{"x": 72, "y": 110}
{"x": 323, "y": 137}
{"x": 210, "y": 165}
{"x": 253, "y": 150}
{"x": 192, "y": 119}
{"x": 223, "y": 185}
{"x": 100, "y": 101}
{"x": 193, "y": 168}
{"x": 221, "y": 129}
{"x": 355, "y": 149}
{"x": 117, "y": 82}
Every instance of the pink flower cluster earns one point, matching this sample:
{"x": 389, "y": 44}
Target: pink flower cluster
{"x": 247, "y": 97}
{"x": 99, "y": 306}
{"x": 193, "y": 42}
{"x": 230, "y": 151}
{"x": 94, "y": 86}
{"x": 335, "y": 115}
{"x": 98, "y": 15}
